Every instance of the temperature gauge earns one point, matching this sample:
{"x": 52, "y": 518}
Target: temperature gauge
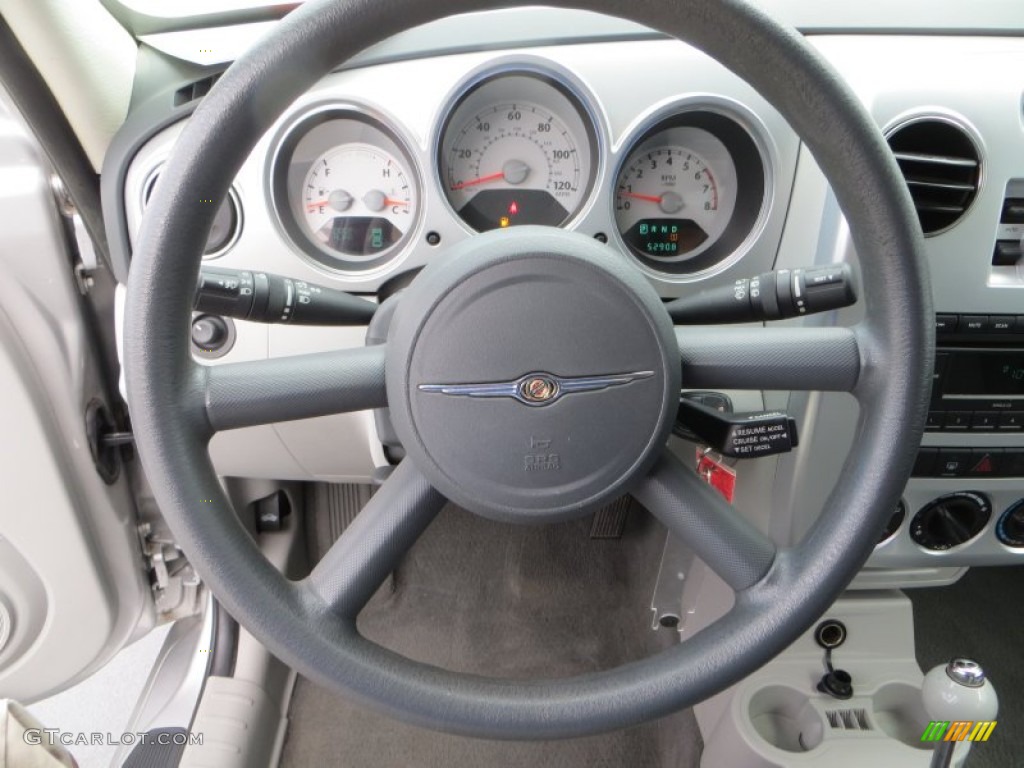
{"x": 358, "y": 200}
{"x": 345, "y": 189}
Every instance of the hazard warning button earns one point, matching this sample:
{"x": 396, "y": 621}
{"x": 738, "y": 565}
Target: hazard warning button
{"x": 985, "y": 462}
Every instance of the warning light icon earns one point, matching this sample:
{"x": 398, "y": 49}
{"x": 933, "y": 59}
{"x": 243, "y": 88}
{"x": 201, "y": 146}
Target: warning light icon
{"x": 513, "y": 209}
{"x": 504, "y": 221}
{"x": 984, "y": 466}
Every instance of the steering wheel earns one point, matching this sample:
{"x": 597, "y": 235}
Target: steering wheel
{"x": 535, "y": 318}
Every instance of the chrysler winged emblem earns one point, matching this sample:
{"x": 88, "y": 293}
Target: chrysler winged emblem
{"x": 537, "y": 388}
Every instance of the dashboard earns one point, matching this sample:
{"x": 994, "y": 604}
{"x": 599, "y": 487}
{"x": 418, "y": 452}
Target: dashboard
{"x": 436, "y": 150}
{"x": 519, "y": 144}
{"x": 648, "y": 145}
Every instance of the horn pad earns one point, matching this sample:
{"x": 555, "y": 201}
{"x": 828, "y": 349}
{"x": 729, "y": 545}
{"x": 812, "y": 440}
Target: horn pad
{"x": 532, "y": 374}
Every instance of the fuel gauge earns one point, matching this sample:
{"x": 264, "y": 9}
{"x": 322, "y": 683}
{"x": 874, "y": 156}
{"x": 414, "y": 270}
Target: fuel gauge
{"x": 358, "y": 200}
{"x": 345, "y": 189}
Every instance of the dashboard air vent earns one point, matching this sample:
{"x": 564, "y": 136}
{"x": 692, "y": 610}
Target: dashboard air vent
{"x": 195, "y": 90}
{"x": 942, "y": 167}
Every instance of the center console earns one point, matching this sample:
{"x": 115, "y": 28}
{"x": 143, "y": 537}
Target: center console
{"x": 964, "y": 504}
{"x": 966, "y": 496}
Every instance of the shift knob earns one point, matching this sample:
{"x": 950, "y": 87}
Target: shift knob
{"x": 959, "y": 691}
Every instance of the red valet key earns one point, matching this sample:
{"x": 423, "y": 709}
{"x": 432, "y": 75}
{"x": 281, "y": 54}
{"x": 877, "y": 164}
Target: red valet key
{"x": 719, "y": 476}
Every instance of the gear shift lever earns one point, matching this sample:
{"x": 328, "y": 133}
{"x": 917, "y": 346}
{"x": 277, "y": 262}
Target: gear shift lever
{"x": 957, "y": 691}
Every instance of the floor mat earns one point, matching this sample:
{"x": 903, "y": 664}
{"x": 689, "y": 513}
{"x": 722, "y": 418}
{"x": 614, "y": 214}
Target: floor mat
{"x": 511, "y": 601}
{"x": 979, "y": 617}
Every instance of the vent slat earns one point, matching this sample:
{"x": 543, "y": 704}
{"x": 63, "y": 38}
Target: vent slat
{"x": 941, "y": 166}
{"x": 950, "y": 185}
{"x": 935, "y": 208}
{"x": 920, "y": 157}
{"x": 195, "y": 90}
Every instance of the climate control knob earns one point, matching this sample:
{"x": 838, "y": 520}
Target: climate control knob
{"x": 1010, "y": 528}
{"x": 950, "y": 520}
{"x": 898, "y": 516}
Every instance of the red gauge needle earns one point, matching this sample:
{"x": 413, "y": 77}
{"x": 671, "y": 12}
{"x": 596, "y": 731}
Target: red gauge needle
{"x": 387, "y": 201}
{"x": 648, "y": 198}
{"x": 480, "y": 180}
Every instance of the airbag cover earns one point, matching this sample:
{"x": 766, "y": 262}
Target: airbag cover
{"x": 532, "y": 377}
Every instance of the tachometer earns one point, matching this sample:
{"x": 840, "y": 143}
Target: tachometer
{"x": 675, "y": 194}
{"x": 690, "y": 192}
{"x": 517, "y": 150}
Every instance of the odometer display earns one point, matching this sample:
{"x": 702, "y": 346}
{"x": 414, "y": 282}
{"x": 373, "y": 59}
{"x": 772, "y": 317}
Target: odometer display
{"x": 665, "y": 237}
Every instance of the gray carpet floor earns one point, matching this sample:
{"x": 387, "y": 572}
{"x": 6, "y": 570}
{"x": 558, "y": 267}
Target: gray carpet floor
{"x": 512, "y": 601}
{"x": 980, "y": 617}
{"x": 549, "y": 601}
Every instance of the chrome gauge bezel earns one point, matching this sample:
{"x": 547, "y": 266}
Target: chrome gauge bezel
{"x": 282, "y": 149}
{"x": 233, "y": 200}
{"x": 566, "y": 84}
{"x": 739, "y": 236}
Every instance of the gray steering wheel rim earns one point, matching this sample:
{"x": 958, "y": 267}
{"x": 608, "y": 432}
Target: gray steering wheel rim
{"x": 896, "y": 345}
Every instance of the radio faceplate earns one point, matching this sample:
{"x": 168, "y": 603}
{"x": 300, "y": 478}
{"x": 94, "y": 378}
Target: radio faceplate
{"x": 978, "y": 384}
{"x": 978, "y": 387}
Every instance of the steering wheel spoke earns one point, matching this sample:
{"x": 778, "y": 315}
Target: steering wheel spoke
{"x": 717, "y": 533}
{"x": 298, "y": 387}
{"x": 826, "y": 359}
{"x": 373, "y": 545}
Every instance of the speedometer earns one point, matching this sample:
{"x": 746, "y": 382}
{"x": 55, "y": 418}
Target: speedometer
{"x": 517, "y": 150}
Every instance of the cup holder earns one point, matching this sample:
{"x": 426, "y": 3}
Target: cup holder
{"x": 785, "y": 718}
{"x": 899, "y": 712}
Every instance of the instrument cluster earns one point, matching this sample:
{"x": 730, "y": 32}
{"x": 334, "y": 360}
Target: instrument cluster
{"x": 690, "y": 185}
